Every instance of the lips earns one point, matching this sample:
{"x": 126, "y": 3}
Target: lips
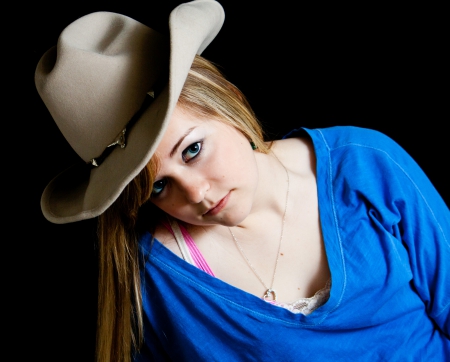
{"x": 218, "y": 207}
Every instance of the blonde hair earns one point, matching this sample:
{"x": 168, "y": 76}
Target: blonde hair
{"x": 206, "y": 94}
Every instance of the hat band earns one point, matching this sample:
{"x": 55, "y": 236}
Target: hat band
{"x": 120, "y": 140}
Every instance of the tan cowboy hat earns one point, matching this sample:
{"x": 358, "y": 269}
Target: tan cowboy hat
{"x": 97, "y": 83}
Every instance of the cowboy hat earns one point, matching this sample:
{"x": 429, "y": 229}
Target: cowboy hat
{"x": 111, "y": 84}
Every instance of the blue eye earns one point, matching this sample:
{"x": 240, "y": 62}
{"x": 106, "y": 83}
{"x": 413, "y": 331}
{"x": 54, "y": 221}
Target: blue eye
{"x": 158, "y": 187}
{"x": 192, "y": 151}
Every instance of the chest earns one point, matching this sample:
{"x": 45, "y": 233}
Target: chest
{"x": 289, "y": 258}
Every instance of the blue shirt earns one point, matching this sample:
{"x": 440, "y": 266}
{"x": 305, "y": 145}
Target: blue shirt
{"x": 387, "y": 238}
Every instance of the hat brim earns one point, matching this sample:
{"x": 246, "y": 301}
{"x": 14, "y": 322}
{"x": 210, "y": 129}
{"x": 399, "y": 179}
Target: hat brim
{"x": 80, "y": 193}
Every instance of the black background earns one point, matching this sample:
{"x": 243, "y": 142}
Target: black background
{"x": 374, "y": 66}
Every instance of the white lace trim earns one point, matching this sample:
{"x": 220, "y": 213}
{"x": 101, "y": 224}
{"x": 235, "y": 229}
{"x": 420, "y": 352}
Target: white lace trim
{"x": 307, "y": 305}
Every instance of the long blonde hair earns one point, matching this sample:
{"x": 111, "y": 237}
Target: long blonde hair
{"x": 206, "y": 93}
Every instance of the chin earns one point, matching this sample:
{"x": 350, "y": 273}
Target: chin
{"x": 234, "y": 219}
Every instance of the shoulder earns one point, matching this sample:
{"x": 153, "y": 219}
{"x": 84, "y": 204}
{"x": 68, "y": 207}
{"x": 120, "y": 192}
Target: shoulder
{"x": 367, "y": 159}
{"x": 297, "y": 145}
{"x": 165, "y": 237}
{"x": 337, "y": 136}
{"x": 296, "y": 153}
{"x": 302, "y": 146}
{"x": 356, "y": 149}
{"x": 345, "y": 139}
{"x": 341, "y": 136}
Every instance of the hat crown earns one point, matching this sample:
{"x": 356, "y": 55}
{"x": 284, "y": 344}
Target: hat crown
{"x": 104, "y": 33}
{"x": 97, "y": 77}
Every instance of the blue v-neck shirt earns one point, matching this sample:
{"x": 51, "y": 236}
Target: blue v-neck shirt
{"x": 387, "y": 238}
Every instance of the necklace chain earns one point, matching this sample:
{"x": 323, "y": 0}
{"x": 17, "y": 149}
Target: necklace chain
{"x": 269, "y": 290}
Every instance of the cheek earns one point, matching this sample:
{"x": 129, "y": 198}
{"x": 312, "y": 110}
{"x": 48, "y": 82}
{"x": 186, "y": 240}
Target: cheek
{"x": 168, "y": 205}
{"x": 175, "y": 204}
{"x": 232, "y": 158}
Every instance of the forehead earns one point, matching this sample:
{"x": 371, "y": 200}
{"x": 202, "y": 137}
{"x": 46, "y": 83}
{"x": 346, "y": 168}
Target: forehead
{"x": 180, "y": 122}
{"x": 182, "y": 117}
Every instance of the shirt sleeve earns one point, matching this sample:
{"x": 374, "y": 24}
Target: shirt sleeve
{"x": 423, "y": 226}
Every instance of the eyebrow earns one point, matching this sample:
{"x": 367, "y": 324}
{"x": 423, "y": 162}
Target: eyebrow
{"x": 175, "y": 147}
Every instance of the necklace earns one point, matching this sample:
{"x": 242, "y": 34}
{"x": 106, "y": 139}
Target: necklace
{"x": 270, "y": 292}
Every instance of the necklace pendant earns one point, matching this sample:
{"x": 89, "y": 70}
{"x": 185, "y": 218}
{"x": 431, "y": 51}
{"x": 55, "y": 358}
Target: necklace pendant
{"x": 270, "y": 294}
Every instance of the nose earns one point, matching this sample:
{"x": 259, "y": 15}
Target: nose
{"x": 194, "y": 188}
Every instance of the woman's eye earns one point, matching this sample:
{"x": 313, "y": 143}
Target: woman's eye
{"x": 192, "y": 151}
{"x": 158, "y": 187}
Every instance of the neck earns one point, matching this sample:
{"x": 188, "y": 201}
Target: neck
{"x": 270, "y": 196}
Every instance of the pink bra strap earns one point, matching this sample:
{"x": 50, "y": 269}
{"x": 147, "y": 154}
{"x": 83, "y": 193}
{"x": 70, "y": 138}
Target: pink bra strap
{"x": 196, "y": 255}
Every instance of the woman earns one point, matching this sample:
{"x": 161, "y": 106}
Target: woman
{"x": 216, "y": 245}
